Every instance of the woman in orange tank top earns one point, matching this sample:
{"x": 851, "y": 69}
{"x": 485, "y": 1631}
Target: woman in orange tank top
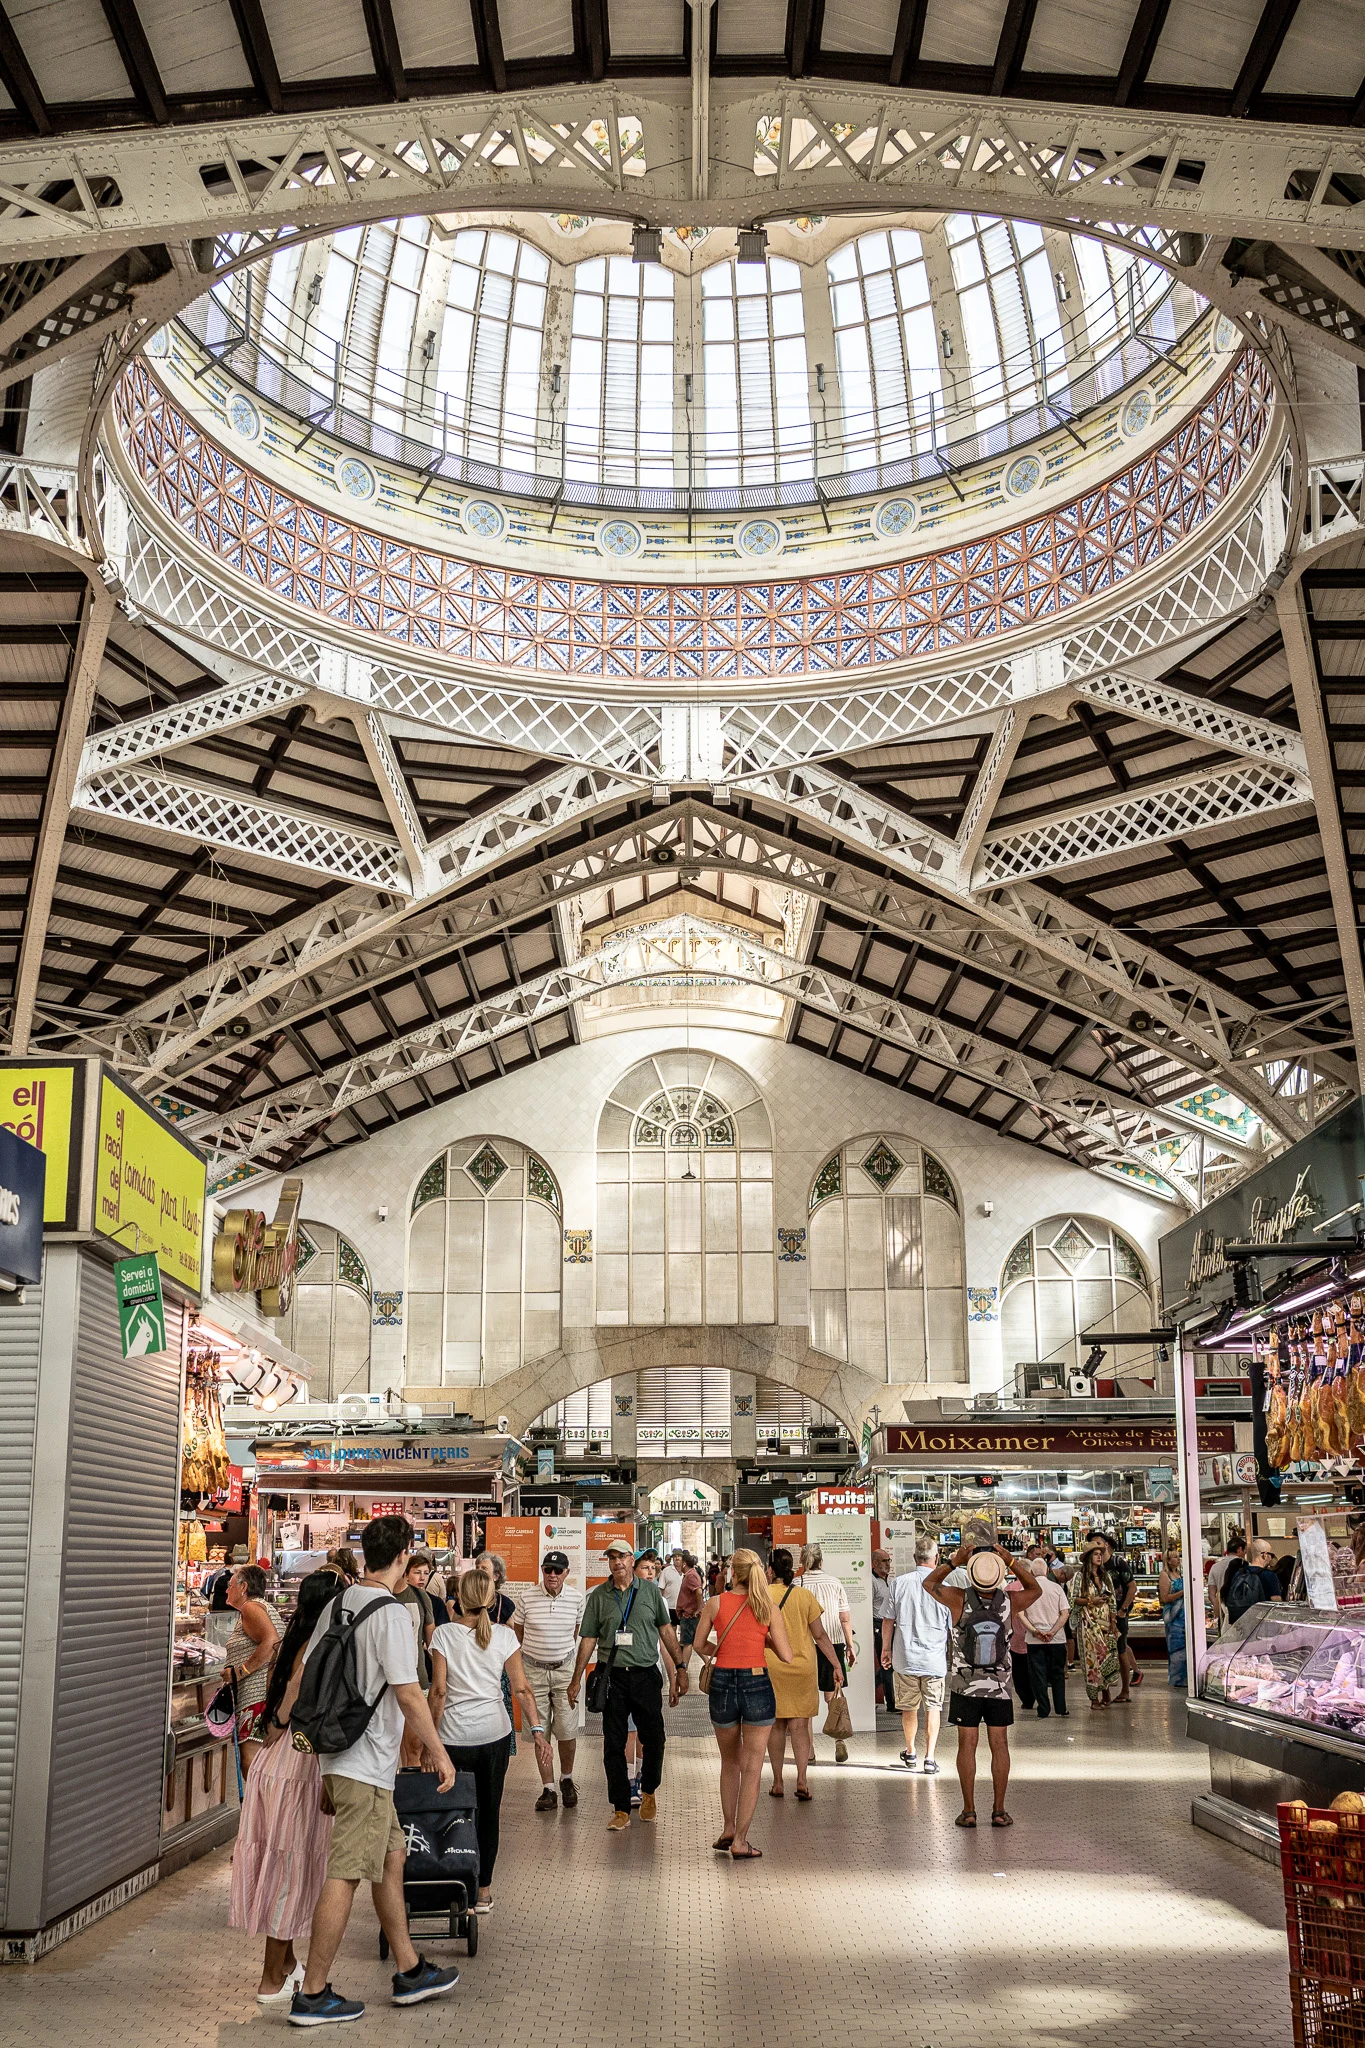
{"x": 746, "y": 1626}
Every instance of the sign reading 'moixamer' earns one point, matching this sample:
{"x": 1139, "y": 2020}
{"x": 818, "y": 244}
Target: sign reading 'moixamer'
{"x": 994, "y": 1439}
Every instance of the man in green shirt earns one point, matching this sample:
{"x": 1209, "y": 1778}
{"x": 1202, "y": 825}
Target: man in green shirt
{"x": 625, "y": 1620}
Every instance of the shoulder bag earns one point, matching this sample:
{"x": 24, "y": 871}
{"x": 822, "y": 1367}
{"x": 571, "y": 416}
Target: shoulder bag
{"x": 599, "y": 1685}
{"x": 709, "y": 1663}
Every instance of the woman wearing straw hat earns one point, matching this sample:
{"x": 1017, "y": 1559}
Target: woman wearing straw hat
{"x": 971, "y": 1585}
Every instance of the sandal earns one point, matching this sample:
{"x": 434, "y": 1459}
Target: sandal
{"x": 745, "y": 1855}
{"x": 1136, "y": 1678}
{"x": 776, "y": 1792}
{"x": 722, "y": 1842}
{"x": 1000, "y": 1819}
{"x": 965, "y": 1820}
{"x": 802, "y": 1792}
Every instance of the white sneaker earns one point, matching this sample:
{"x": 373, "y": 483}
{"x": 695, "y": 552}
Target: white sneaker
{"x": 285, "y": 1994}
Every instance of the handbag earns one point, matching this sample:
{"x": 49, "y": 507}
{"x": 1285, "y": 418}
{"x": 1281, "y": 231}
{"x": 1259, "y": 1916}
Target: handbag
{"x": 599, "y": 1685}
{"x": 709, "y": 1663}
{"x": 220, "y": 1715}
{"x": 838, "y": 1720}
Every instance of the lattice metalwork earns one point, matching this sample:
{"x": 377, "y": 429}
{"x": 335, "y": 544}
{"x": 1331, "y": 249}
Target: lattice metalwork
{"x": 1234, "y": 793}
{"x": 41, "y": 499}
{"x": 238, "y": 825}
{"x": 1201, "y": 719}
{"x": 184, "y": 724}
{"x": 1333, "y": 509}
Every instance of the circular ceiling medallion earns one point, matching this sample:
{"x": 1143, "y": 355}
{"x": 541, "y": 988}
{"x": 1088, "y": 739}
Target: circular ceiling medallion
{"x": 482, "y": 520}
{"x": 1137, "y": 414}
{"x": 1023, "y": 475}
{"x": 158, "y": 344}
{"x": 620, "y": 537}
{"x": 896, "y": 517}
{"x": 243, "y": 416}
{"x": 760, "y": 537}
{"x": 355, "y": 477}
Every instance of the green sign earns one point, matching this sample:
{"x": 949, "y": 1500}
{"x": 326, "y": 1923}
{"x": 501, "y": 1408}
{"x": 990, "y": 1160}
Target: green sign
{"x": 141, "y": 1311}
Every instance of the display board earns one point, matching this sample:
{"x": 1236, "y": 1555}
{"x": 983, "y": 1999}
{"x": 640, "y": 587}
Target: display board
{"x": 899, "y": 1539}
{"x": 149, "y": 1187}
{"x": 521, "y": 1541}
{"x": 599, "y": 1535}
{"x": 846, "y": 1541}
{"x": 43, "y": 1106}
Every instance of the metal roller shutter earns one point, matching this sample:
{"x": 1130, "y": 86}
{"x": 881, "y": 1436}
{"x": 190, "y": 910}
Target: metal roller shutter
{"x": 20, "y": 1331}
{"x": 114, "y": 1628}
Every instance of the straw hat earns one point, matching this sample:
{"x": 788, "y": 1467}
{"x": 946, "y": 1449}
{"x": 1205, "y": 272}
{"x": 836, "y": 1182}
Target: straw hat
{"x": 985, "y": 1570}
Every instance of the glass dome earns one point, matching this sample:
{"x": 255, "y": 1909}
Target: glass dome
{"x": 492, "y": 356}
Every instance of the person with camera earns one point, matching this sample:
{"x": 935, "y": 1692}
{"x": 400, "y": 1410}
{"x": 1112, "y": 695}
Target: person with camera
{"x": 624, "y": 1621}
{"x": 982, "y": 1613}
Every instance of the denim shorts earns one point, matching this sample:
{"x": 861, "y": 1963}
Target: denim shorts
{"x": 742, "y": 1696}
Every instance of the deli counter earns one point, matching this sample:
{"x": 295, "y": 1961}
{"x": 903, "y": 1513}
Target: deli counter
{"x": 1281, "y": 1706}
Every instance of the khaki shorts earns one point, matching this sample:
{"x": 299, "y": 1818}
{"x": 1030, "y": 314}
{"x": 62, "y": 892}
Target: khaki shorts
{"x": 550, "y": 1686}
{"x": 913, "y": 1691}
{"x": 365, "y": 1829}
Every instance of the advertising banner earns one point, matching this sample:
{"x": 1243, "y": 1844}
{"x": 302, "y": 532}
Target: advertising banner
{"x": 149, "y": 1188}
{"x": 846, "y": 1541}
{"x": 23, "y": 1174}
{"x": 597, "y": 1536}
{"x": 789, "y": 1532}
{"x": 43, "y": 1106}
{"x": 1035, "y": 1440}
{"x": 141, "y": 1310}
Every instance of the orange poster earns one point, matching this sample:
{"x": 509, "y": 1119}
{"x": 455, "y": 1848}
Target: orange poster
{"x": 600, "y": 1534}
{"x": 789, "y": 1532}
{"x": 516, "y": 1538}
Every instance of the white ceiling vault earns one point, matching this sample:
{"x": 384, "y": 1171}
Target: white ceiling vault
{"x": 1117, "y": 919}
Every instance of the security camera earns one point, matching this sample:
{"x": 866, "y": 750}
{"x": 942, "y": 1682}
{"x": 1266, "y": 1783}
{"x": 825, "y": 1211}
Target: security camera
{"x": 502, "y": 1425}
{"x": 383, "y": 1212}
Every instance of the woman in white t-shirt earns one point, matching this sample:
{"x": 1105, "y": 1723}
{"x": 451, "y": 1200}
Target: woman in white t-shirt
{"x": 468, "y": 1658}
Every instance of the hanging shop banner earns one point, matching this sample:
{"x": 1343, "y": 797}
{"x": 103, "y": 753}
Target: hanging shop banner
{"x": 149, "y": 1187}
{"x": 1031, "y": 1439}
{"x": 23, "y": 1172}
{"x": 842, "y": 1500}
{"x": 141, "y": 1310}
{"x": 251, "y": 1256}
{"x": 44, "y": 1105}
{"x": 846, "y": 1544}
{"x": 1316, "y": 1181}
{"x": 545, "y": 1462}
{"x": 467, "y": 1464}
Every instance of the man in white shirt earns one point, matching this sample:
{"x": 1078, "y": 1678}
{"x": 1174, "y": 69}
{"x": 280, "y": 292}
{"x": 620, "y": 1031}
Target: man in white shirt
{"x": 546, "y": 1619}
{"x": 1045, "y": 1638}
{"x": 367, "y": 1841}
{"x": 838, "y": 1621}
{"x": 1235, "y": 1553}
{"x": 915, "y": 1650}
{"x": 670, "y": 1583}
{"x": 881, "y": 1608}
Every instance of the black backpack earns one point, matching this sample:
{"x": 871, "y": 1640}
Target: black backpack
{"x": 331, "y": 1712}
{"x": 1242, "y": 1590}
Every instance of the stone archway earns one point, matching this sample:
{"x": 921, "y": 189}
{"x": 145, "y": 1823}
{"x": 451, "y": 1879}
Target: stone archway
{"x": 766, "y": 1350}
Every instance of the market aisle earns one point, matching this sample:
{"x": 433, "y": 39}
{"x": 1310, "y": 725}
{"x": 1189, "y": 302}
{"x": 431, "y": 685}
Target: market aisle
{"x": 1104, "y": 1920}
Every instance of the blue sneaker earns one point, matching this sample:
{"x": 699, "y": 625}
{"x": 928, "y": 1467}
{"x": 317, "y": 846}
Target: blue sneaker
{"x": 426, "y": 1981}
{"x": 321, "y": 2008}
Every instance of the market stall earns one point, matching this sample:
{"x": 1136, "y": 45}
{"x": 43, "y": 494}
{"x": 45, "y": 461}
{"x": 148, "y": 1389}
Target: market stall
{"x": 1274, "y": 1272}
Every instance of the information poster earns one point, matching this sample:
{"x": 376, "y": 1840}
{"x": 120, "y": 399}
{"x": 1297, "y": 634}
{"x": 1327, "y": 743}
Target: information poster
{"x": 598, "y": 1535}
{"x": 899, "y": 1538}
{"x": 846, "y": 1542}
{"x": 521, "y": 1541}
{"x": 149, "y": 1188}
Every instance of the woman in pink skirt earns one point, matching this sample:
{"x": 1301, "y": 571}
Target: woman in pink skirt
{"x": 283, "y": 1836}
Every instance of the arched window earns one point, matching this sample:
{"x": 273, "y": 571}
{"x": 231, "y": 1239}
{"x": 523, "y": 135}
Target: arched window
{"x": 620, "y": 409}
{"x": 1007, "y": 298}
{"x": 685, "y": 1196}
{"x": 362, "y": 331}
{"x": 684, "y": 1411}
{"x": 485, "y": 1252}
{"x": 886, "y": 1285}
{"x": 886, "y": 345}
{"x": 756, "y": 394}
{"x": 1118, "y": 288}
{"x": 329, "y": 1321}
{"x": 492, "y": 335}
{"x": 1069, "y": 1274}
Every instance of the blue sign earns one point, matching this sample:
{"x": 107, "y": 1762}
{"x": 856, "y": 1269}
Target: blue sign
{"x": 23, "y": 1174}
{"x": 545, "y": 1463}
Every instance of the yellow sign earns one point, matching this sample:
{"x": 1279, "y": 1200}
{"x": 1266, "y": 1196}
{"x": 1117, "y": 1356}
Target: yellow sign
{"x": 149, "y": 1187}
{"x": 35, "y": 1103}
{"x": 251, "y": 1256}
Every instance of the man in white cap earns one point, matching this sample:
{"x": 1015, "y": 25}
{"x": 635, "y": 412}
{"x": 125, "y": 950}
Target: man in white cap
{"x": 625, "y": 1620}
{"x": 982, "y": 1612}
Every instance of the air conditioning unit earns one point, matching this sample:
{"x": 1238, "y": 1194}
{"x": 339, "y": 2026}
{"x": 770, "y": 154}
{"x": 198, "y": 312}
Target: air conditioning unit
{"x": 986, "y": 1402}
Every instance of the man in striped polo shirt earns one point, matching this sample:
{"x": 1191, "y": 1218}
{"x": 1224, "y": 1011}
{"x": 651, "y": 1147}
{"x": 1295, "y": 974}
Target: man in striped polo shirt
{"x": 546, "y": 1620}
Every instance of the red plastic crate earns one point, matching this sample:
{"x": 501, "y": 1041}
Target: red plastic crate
{"x": 1326, "y": 2015}
{"x": 1324, "y": 1899}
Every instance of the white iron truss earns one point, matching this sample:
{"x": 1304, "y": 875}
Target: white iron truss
{"x": 625, "y": 148}
{"x": 1118, "y": 1129}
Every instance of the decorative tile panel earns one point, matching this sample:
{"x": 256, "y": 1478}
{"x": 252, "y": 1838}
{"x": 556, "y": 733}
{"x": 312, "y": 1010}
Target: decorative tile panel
{"x": 791, "y": 1244}
{"x": 572, "y": 626}
{"x": 388, "y": 1311}
{"x": 578, "y": 1247}
{"x": 882, "y": 1165}
{"x": 486, "y": 1168}
{"x": 983, "y": 1304}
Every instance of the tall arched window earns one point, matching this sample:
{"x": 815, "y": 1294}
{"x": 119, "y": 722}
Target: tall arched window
{"x": 756, "y": 394}
{"x": 685, "y": 1196}
{"x": 620, "y": 412}
{"x": 329, "y": 1321}
{"x": 492, "y": 335}
{"x": 886, "y": 1285}
{"x": 886, "y": 345}
{"x": 485, "y": 1253}
{"x": 1007, "y": 298}
{"x": 1067, "y": 1275}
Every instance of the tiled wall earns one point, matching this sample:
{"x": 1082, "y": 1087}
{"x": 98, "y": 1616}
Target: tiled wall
{"x": 814, "y": 1106}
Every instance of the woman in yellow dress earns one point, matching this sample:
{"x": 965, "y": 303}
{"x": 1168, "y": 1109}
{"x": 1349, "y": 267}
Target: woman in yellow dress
{"x": 795, "y": 1686}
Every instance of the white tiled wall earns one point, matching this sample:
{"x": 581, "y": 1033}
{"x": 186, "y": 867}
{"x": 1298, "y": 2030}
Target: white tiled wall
{"x": 814, "y": 1106}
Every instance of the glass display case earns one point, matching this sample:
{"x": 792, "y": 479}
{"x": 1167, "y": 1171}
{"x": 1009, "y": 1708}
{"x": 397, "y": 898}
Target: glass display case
{"x": 1299, "y": 1663}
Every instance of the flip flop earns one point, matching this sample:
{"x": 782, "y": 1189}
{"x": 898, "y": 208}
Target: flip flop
{"x": 802, "y": 1792}
{"x": 776, "y": 1792}
{"x": 1136, "y": 1678}
{"x": 745, "y": 1855}
{"x": 722, "y": 1842}
{"x": 965, "y": 1820}
{"x": 1000, "y": 1819}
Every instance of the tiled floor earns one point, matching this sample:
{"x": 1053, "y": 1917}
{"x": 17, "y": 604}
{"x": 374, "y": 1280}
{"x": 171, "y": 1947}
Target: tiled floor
{"x": 1104, "y": 1920}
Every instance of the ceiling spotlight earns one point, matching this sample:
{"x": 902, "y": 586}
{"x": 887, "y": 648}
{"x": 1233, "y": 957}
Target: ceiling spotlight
{"x": 753, "y": 246}
{"x": 646, "y": 245}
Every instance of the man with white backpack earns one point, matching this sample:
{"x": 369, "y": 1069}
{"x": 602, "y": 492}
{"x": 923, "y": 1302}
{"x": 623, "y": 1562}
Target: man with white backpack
{"x": 982, "y": 1611}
